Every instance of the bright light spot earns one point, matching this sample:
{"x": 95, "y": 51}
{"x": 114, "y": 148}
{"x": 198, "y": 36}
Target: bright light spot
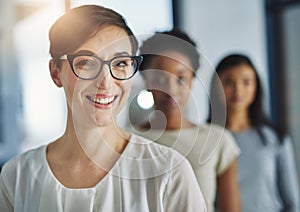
{"x": 145, "y": 99}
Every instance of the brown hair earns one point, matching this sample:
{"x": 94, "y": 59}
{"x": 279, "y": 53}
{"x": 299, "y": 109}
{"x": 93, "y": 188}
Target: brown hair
{"x": 80, "y": 24}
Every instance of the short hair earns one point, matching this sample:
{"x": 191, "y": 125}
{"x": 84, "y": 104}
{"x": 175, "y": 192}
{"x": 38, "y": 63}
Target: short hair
{"x": 174, "y": 40}
{"x": 80, "y": 24}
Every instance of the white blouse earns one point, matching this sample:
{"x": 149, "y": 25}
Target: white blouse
{"x": 147, "y": 177}
{"x": 210, "y": 150}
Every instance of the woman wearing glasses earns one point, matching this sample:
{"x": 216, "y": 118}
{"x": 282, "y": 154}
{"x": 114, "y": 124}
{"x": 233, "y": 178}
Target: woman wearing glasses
{"x": 95, "y": 165}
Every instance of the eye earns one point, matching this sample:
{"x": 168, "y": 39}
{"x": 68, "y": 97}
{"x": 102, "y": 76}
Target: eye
{"x": 158, "y": 80}
{"x": 122, "y": 62}
{"x": 86, "y": 63}
{"x": 181, "y": 80}
{"x": 228, "y": 82}
{"x": 247, "y": 81}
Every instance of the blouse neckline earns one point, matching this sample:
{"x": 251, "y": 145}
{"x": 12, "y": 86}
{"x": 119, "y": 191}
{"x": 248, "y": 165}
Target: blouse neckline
{"x": 93, "y": 188}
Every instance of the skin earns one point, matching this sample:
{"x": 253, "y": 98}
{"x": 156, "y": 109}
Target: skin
{"x": 76, "y": 153}
{"x": 171, "y": 97}
{"x": 170, "y": 85}
{"x": 239, "y": 85}
{"x": 228, "y": 189}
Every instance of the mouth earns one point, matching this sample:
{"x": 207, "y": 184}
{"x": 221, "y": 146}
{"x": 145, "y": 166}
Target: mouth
{"x": 101, "y": 100}
{"x": 237, "y": 99}
{"x": 172, "y": 100}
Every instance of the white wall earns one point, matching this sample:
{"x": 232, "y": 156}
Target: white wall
{"x": 44, "y": 110}
{"x": 10, "y": 87}
{"x": 222, "y": 27}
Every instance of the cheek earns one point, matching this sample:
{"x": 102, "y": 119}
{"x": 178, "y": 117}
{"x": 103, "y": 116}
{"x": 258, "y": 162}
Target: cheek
{"x": 73, "y": 88}
{"x": 68, "y": 84}
{"x": 252, "y": 93}
{"x": 125, "y": 86}
{"x": 185, "y": 92}
{"x": 227, "y": 91}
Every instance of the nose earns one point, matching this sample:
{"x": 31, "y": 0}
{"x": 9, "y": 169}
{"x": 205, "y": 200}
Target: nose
{"x": 104, "y": 80}
{"x": 238, "y": 88}
{"x": 171, "y": 86}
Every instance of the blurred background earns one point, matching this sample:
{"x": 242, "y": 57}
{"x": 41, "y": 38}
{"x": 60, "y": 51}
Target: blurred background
{"x": 33, "y": 110}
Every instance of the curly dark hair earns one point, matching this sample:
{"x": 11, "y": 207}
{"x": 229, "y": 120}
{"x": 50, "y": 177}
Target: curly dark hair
{"x": 174, "y": 39}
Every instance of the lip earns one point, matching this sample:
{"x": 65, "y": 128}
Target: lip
{"x": 236, "y": 99}
{"x": 101, "y": 101}
{"x": 170, "y": 102}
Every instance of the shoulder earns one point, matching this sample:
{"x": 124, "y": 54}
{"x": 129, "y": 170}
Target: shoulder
{"x": 268, "y": 130}
{"x": 216, "y": 131}
{"x": 145, "y": 147}
{"x": 144, "y": 158}
{"x": 20, "y": 169}
{"x": 270, "y": 135}
{"x": 287, "y": 148}
{"x": 25, "y": 157}
{"x": 219, "y": 137}
{"x": 220, "y": 148}
{"x": 26, "y": 161}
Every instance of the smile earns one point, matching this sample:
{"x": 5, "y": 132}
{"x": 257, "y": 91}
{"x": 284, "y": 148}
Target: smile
{"x": 101, "y": 100}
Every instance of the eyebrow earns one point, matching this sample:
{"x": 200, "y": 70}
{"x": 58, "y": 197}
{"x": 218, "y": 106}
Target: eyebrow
{"x": 121, "y": 54}
{"x": 183, "y": 71}
{"x": 88, "y": 52}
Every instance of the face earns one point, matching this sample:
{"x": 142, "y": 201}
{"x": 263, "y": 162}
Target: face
{"x": 239, "y": 85}
{"x": 170, "y": 81}
{"x": 97, "y": 102}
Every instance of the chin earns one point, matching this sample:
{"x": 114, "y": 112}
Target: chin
{"x": 104, "y": 121}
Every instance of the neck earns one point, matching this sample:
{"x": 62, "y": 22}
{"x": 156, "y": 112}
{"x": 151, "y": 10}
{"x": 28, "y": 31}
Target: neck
{"x": 82, "y": 142}
{"x": 238, "y": 120}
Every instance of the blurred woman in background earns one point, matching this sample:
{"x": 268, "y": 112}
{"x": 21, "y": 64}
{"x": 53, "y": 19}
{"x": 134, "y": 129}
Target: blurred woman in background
{"x": 169, "y": 68}
{"x": 266, "y": 166}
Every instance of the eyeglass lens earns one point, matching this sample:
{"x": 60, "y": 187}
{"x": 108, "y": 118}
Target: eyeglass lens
{"x": 88, "y": 67}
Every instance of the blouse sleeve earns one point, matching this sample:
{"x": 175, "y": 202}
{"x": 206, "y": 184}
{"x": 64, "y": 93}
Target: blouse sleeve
{"x": 6, "y": 202}
{"x": 287, "y": 177}
{"x": 182, "y": 192}
{"x": 228, "y": 152}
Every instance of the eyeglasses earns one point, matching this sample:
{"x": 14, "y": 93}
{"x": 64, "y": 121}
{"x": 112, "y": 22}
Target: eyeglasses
{"x": 88, "y": 67}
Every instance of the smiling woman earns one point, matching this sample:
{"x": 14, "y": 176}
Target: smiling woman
{"x": 32, "y": 57}
{"x": 95, "y": 165}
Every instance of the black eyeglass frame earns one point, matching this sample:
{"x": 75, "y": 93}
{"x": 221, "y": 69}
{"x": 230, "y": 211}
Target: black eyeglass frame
{"x": 71, "y": 57}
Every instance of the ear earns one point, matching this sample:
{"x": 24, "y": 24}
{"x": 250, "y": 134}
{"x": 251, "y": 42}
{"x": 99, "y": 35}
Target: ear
{"x": 55, "y": 73}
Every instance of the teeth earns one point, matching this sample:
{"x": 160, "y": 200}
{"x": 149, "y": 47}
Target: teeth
{"x": 103, "y": 101}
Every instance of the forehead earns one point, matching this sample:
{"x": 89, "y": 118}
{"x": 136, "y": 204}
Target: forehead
{"x": 242, "y": 70}
{"x": 108, "y": 40}
{"x": 172, "y": 61}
